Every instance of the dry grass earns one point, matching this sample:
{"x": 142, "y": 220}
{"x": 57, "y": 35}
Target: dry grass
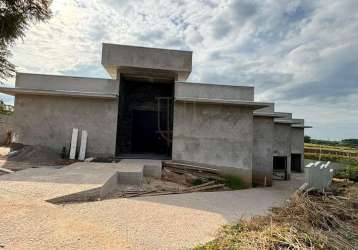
{"x": 308, "y": 221}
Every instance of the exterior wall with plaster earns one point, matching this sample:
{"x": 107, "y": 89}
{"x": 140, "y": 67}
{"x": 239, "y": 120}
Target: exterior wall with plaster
{"x": 214, "y": 135}
{"x": 282, "y": 143}
{"x": 262, "y": 161}
{"x": 48, "y": 121}
{"x": 213, "y": 91}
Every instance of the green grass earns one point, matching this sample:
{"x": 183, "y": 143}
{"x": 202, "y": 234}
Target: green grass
{"x": 336, "y": 148}
{"x": 234, "y": 182}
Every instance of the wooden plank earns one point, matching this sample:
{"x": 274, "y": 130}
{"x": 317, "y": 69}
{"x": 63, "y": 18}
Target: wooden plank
{"x": 190, "y": 167}
{"x": 73, "y": 143}
{"x": 6, "y": 170}
{"x": 82, "y": 154}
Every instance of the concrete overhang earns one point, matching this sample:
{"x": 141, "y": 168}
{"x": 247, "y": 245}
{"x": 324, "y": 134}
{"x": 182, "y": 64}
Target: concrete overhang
{"x": 300, "y": 126}
{"x": 286, "y": 121}
{"x": 247, "y": 104}
{"x": 26, "y": 91}
{"x": 269, "y": 114}
{"x": 142, "y": 61}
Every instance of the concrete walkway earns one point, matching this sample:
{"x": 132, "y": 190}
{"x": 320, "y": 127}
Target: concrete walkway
{"x": 160, "y": 222}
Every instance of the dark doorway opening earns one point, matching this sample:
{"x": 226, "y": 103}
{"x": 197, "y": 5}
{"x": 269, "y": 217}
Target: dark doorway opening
{"x": 280, "y": 168}
{"x": 147, "y": 136}
{"x": 145, "y": 117}
{"x": 296, "y": 162}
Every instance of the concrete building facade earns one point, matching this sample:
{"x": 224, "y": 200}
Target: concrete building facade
{"x": 148, "y": 109}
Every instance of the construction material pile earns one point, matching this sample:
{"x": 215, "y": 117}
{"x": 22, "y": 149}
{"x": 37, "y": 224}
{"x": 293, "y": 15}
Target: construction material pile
{"x": 36, "y": 156}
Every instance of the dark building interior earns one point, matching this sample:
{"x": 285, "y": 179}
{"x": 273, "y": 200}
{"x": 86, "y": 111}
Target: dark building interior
{"x": 145, "y": 117}
{"x": 296, "y": 162}
{"x": 280, "y": 167}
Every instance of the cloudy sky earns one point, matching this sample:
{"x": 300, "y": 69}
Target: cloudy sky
{"x": 303, "y": 55}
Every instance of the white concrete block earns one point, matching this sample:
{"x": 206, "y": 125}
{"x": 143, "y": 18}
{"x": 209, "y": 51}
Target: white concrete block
{"x": 73, "y": 143}
{"x": 82, "y": 154}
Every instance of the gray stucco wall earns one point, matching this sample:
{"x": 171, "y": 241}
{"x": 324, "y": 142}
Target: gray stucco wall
{"x": 298, "y": 143}
{"x": 213, "y": 91}
{"x": 282, "y": 143}
{"x": 214, "y": 135}
{"x": 262, "y": 161}
{"x": 48, "y": 121}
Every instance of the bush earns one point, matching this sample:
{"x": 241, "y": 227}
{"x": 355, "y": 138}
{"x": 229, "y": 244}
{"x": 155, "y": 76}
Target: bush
{"x": 234, "y": 182}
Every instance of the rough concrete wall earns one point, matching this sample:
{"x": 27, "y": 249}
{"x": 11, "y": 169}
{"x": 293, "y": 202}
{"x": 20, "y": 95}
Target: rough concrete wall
{"x": 214, "y": 135}
{"x": 262, "y": 161}
{"x": 5, "y": 126}
{"x": 68, "y": 83}
{"x": 48, "y": 121}
{"x": 298, "y": 143}
{"x": 282, "y": 143}
{"x": 213, "y": 91}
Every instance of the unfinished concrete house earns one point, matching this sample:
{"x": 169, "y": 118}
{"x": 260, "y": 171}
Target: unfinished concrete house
{"x": 264, "y": 134}
{"x": 148, "y": 110}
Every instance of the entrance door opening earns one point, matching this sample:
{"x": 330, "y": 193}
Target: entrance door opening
{"x": 145, "y": 118}
{"x": 280, "y": 168}
{"x": 296, "y": 162}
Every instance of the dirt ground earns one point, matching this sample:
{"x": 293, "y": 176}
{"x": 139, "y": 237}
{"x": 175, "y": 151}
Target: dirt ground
{"x": 158, "y": 222}
{"x": 26, "y": 157}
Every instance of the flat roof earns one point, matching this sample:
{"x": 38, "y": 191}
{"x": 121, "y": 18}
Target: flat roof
{"x": 300, "y": 126}
{"x": 269, "y": 114}
{"x": 286, "y": 121}
{"x": 242, "y": 103}
{"x": 146, "y": 61}
{"x": 26, "y": 91}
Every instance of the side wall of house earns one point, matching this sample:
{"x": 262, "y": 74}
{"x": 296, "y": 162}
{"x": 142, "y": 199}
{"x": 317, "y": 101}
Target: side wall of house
{"x": 298, "y": 143}
{"x": 214, "y": 135}
{"x": 262, "y": 161}
{"x": 282, "y": 143}
{"x": 48, "y": 121}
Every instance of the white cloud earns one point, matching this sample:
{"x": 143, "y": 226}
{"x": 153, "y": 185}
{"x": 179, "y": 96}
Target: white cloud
{"x": 301, "y": 54}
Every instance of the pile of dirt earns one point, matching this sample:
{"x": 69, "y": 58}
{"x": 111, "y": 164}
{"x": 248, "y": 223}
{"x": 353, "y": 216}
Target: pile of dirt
{"x": 36, "y": 155}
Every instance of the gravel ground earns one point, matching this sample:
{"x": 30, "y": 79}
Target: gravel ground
{"x": 28, "y": 224}
{"x": 160, "y": 222}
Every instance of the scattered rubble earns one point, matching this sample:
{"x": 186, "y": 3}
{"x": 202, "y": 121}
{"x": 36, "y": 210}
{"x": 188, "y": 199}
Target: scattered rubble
{"x": 26, "y": 156}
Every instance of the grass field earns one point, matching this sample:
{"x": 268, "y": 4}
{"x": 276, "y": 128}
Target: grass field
{"x": 347, "y": 156}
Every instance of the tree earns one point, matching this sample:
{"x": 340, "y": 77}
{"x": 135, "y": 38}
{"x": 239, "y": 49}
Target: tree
{"x": 307, "y": 139}
{"x": 15, "y": 17}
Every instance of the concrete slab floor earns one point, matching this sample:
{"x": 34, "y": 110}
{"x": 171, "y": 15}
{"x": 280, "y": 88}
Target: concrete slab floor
{"x": 47, "y": 182}
{"x": 174, "y": 222}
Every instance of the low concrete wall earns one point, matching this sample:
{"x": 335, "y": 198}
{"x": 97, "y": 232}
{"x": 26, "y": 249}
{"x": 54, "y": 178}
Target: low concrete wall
{"x": 67, "y": 83}
{"x": 48, "y": 121}
{"x": 298, "y": 144}
{"x": 215, "y": 135}
{"x": 262, "y": 161}
{"x": 213, "y": 91}
{"x": 282, "y": 143}
{"x": 5, "y": 126}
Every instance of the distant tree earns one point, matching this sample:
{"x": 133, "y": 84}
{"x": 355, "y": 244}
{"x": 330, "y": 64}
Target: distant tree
{"x": 350, "y": 142}
{"x": 307, "y": 139}
{"x": 6, "y": 109}
{"x": 15, "y": 17}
